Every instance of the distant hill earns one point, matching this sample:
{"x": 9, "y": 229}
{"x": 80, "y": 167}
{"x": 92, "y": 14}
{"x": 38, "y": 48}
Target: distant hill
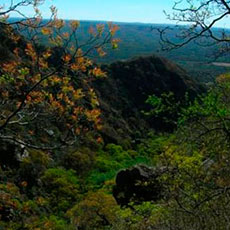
{"x": 140, "y": 39}
{"x": 123, "y": 94}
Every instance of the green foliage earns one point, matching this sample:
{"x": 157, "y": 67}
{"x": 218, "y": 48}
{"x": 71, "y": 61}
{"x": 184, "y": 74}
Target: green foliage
{"x": 166, "y": 109}
{"x": 61, "y": 187}
{"x": 165, "y": 104}
{"x": 81, "y": 160}
{"x": 10, "y": 204}
{"x": 96, "y": 211}
{"x": 195, "y": 179}
{"x": 108, "y": 163}
{"x": 153, "y": 146}
{"x": 138, "y": 217}
{"x": 32, "y": 166}
{"x": 197, "y": 159}
{"x": 215, "y": 104}
{"x": 50, "y": 223}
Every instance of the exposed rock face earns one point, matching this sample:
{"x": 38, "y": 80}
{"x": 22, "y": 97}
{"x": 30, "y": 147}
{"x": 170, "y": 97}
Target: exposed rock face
{"x": 137, "y": 184}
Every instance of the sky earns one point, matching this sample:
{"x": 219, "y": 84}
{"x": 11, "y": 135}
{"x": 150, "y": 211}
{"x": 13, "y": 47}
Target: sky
{"x": 150, "y": 11}
{"x": 146, "y": 11}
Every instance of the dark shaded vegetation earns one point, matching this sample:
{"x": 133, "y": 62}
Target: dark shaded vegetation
{"x": 123, "y": 94}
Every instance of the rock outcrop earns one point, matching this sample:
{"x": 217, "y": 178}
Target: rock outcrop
{"x": 137, "y": 184}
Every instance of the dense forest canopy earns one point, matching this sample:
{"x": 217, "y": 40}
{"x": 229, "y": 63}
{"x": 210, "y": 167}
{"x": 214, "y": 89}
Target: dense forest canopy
{"x": 135, "y": 144}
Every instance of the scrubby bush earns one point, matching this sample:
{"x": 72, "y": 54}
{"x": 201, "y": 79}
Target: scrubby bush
{"x": 81, "y": 160}
{"x": 61, "y": 187}
{"x": 95, "y": 211}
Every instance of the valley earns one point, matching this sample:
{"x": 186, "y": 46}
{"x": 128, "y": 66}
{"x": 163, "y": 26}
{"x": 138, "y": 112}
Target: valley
{"x": 114, "y": 126}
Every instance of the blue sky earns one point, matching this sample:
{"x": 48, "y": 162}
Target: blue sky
{"x": 150, "y": 11}
{"x": 114, "y": 10}
{"x": 147, "y": 11}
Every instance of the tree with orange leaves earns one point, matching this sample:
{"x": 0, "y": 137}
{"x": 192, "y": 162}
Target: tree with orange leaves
{"x": 45, "y": 95}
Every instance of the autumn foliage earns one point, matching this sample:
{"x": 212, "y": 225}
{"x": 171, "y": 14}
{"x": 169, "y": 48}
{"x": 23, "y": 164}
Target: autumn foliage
{"x": 44, "y": 86}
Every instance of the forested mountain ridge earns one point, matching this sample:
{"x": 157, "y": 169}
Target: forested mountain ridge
{"x": 124, "y": 92}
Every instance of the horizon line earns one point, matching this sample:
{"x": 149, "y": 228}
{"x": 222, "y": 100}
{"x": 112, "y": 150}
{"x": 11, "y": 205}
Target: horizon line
{"x": 123, "y": 22}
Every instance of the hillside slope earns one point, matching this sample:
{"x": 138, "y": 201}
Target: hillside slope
{"x": 129, "y": 83}
{"x": 123, "y": 93}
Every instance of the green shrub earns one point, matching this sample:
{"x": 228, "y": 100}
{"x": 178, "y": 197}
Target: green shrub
{"x": 81, "y": 160}
{"x": 61, "y": 187}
